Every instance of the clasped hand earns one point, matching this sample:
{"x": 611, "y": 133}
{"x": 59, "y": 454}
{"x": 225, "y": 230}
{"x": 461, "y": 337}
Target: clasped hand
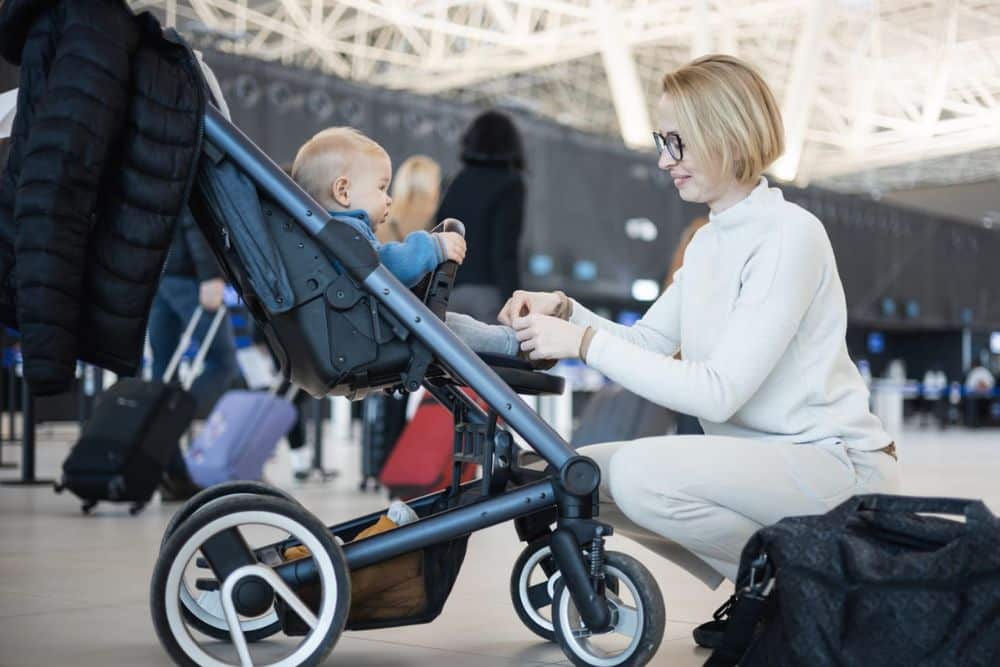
{"x": 547, "y": 337}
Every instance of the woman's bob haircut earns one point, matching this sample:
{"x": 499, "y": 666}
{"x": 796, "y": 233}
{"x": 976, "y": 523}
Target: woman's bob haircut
{"x": 727, "y": 115}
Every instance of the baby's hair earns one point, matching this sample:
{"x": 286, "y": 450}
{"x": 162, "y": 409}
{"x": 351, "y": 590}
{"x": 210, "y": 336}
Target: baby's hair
{"x": 328, "y": 155}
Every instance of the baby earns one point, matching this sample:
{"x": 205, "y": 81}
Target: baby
{"x": 348, "y": 173}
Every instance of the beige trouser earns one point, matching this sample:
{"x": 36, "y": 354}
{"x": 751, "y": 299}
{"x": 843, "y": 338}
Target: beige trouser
{"x": 697, "y": 499}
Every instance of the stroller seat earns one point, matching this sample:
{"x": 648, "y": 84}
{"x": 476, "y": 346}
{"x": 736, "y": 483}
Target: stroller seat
{"x": 329, "y": 335}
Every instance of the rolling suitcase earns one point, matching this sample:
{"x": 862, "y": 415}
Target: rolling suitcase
{"x": 383, "y": 418}
{"x": 133, "y": 433}
{"x": 240, "y": 436}
{"x": 421, "y": 461}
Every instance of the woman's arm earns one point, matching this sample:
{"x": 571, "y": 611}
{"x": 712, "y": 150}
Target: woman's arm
{"x": 779, "y": 284}
{"x": 658, "y": 331}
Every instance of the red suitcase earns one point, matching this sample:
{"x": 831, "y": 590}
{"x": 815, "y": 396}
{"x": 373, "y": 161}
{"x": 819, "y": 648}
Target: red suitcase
{"x": 421, "y": 462}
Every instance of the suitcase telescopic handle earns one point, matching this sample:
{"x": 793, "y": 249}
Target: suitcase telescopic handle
{"x": 185, "y": 341}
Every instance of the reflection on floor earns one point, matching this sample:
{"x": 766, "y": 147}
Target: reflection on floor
{"x": 74, "y": 589}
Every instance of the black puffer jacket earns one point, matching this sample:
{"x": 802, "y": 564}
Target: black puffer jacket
{"x": 107, "y": 135}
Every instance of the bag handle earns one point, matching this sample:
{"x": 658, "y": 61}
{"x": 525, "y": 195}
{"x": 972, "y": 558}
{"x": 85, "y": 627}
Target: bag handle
{"x": 199, "y": 359}
{"x": 182, "y": 345}
{"x": 972, "y": 510}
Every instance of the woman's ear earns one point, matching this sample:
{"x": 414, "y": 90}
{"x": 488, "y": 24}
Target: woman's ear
{"x": 340, "y": 190}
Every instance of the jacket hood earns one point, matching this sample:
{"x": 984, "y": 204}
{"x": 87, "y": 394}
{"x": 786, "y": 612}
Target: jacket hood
{"x": 16, "y": 19}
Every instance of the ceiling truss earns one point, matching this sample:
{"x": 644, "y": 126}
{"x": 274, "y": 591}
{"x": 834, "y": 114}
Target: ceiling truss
{"x": 875, "y": 93}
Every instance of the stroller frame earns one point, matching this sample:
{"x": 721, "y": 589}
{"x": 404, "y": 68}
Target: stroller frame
{"x": 573, "y": 488}
{"x": 565, "y": 493}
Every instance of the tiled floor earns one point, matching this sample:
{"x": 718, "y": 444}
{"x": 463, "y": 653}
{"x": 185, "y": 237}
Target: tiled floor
{"x": 74, "y": 589}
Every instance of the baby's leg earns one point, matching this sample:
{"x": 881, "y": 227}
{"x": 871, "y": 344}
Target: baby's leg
{"x": 489, "y": 338}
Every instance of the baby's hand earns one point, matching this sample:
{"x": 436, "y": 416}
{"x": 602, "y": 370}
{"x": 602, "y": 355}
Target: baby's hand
{"x": 454, "y": 246}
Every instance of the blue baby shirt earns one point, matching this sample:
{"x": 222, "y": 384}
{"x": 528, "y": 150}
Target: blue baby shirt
{"x": 410, "y": 260}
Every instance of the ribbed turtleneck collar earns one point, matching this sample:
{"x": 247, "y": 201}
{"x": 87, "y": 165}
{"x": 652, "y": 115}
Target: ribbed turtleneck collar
{"x": 744, "y": 209}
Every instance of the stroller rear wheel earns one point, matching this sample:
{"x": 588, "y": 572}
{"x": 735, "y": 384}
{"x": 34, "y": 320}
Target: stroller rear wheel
{"x": 250, "y": 517}
{"x": 638, "y": 618}
{"x": 213, "y": 493}
{"x": 203, "y": 608}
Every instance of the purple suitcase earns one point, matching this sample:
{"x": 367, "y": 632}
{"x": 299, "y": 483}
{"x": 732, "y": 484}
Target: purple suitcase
{"x": 239, "y": 437}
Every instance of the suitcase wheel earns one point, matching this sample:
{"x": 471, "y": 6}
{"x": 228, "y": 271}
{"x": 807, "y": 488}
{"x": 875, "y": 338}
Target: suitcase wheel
{"x": 136, "y": 508}
{"x": 58, "y": 488}
{"x": 87, "y": 506}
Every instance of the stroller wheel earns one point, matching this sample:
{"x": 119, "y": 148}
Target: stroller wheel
{"x": 529, "y": 588}
{"x": 638, "y": 618}
{"x": 252, "y": 520}
{"x": 203, "y": 610}
{"x": 202, "y": 499}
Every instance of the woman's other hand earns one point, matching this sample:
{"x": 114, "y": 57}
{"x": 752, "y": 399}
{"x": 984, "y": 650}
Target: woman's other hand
{"x": 523, "y": 303}
{"x": 547, "y": 337}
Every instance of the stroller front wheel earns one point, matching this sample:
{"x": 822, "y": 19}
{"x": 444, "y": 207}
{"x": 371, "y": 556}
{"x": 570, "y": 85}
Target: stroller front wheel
{"x": 529, "y": 589}
{"x": 638, "y": 618}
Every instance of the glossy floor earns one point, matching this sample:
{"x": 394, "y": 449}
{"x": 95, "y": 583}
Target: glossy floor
{"x": 74, "y": 589}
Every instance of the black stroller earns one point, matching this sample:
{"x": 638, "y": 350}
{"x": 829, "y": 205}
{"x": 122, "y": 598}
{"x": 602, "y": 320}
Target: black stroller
{"x": 241, "y": 562}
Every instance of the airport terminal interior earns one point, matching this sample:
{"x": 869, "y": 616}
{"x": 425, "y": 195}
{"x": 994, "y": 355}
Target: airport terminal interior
{"x": 499, "y": 332}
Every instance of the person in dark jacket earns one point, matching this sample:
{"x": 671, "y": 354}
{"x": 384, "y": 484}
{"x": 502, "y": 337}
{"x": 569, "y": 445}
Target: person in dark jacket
{"x": 103, "y": 150}
{"x": 192, "y": 278}
{"x": 488, "y": 196}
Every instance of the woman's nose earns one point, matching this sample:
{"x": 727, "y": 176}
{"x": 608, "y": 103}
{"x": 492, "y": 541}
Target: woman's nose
{"x": 666, "y": 161}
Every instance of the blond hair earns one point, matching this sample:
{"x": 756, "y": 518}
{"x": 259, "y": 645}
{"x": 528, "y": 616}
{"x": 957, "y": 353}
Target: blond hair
{"x": 416, "y": 190}
{"x": 327, "y": 156}
{"x": 727, "y": 114}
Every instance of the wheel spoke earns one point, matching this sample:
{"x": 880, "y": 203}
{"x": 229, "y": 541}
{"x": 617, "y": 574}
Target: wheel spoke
{"x": 538, "y": 595}
{"x": 628, "y": 618}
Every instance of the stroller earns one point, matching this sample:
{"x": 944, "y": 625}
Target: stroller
{"x": 341, "y": 324}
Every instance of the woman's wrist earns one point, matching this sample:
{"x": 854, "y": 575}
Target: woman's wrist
{"x": 564, "y": 308}
{"x": 588, "y": 336}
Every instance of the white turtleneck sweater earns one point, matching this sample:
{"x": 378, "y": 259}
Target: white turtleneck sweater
{"x": 759, "y": 313}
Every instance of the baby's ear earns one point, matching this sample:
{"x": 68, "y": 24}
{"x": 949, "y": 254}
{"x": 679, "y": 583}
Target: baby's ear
{"x": 340, "y": 190}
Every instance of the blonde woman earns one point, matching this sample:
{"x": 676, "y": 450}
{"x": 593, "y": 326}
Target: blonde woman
{"x": 415, "y": 194}
{"x": 758, "y": 311}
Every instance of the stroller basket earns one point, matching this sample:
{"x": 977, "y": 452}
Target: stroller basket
{"x": 406, "y": 590}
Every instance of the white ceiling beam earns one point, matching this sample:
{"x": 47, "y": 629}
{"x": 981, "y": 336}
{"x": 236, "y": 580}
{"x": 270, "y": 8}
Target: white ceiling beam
{"x": 623, "y": 80}
{"x": 701, "y": 31}
{"x": 798, "y": 98}
{"x": 942, "y": 71}
{"x": 911, "y": 150}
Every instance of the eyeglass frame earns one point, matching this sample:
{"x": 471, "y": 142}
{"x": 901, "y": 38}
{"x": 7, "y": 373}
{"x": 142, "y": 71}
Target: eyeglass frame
{"x": 663, "y": 144}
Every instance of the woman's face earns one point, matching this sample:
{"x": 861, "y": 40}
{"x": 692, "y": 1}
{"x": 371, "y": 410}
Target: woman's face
{"x": 695, "y": 180}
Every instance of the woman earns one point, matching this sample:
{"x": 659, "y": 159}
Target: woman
{"x": 416, "y": 191}
{"x": 759, "y": 312}
{"x": 488, "y": 196}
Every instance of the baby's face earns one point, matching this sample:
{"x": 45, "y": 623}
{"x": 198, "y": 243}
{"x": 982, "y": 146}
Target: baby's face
{"x": 370, "y": 186}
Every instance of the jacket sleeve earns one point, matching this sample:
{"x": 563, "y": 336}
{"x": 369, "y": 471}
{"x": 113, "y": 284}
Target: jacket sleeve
{"x": 206, "y": 267}
{"x": 418, "y": 254}
{"x": 505, "y": 223}
{"x": 75, "y": 126}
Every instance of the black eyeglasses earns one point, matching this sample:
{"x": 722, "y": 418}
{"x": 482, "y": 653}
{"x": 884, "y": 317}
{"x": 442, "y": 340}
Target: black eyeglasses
{"x": 670, "y": 142}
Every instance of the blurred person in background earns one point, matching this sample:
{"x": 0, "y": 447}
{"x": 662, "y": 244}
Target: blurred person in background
{"x": 416, "y": 193}
{"x": 488, "y": 196}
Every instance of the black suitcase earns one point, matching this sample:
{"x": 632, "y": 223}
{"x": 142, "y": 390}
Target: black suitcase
{"x": 127, "y": 443}
{"x": 133, "y": 433}
{"x": 383, "y": 417}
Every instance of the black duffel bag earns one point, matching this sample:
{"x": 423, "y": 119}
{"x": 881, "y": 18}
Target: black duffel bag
{"x": 875, "y": 581}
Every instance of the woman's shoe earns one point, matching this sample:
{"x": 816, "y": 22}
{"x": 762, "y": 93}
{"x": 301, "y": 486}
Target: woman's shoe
{"x": 710, "y": 634}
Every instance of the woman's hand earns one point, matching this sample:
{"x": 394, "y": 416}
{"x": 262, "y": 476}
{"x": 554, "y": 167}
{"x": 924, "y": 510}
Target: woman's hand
{"x": 546, "y": 337}
{"x": 523, "y": 303}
